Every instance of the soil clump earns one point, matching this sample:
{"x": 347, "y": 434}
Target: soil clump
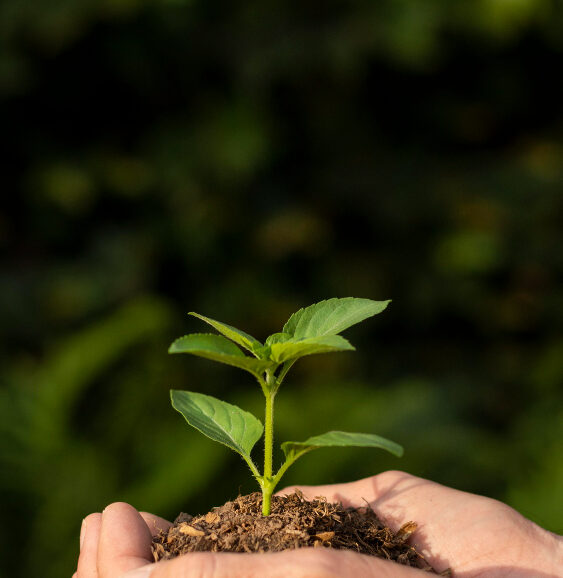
{"x": 294, "y": 522}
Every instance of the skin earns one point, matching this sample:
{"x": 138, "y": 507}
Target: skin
{"x": 473, "y": 535}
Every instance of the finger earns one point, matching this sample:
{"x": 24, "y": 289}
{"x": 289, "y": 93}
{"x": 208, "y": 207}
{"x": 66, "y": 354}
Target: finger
{"x": 89, "y": 534}
{"x": 156, "y": 524}
{"x": 125, "y": 541}
{"x": 306, "y": 562}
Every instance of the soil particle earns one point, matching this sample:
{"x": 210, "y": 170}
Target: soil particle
{"x": 294, "y": 522}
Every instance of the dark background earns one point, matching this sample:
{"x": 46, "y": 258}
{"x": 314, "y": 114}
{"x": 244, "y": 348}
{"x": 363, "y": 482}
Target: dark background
{"x": 245, "y": 159}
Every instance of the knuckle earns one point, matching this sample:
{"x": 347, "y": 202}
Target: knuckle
{"x": 394, "y": 475}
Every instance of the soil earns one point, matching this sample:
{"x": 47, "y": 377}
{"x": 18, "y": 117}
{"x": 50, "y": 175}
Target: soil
{"x": 294, "y": 522}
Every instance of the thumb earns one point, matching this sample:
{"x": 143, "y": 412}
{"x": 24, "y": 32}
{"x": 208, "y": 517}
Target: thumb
{"x": 301, "y": 563}
{"x": 124, "y": 542}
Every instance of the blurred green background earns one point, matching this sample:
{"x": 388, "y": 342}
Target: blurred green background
{"x": 245, "y": 159}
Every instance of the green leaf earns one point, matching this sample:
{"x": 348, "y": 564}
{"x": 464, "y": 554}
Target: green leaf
{"x": 332, "y": 316}
{"x": 294, "y": 348}
{"x": 219, "y": 420}
{"x": 294, "y": 450}
{"x": 278, "y": 338}
{"x": 220, "y": 349}
{"x": 243, "y": 339}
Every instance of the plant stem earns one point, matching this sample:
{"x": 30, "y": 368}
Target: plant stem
{"x": 267, "y": 486}
{"x": 268, "y": 436}
{"x": 253, "y": 469}
{"x": 267, "y": 499}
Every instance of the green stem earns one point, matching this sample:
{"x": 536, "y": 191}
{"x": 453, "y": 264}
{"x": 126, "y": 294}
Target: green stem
{"x": 282, "y": 471}
{"x": 285, "y": 368}
{"x": 253, "y": 469}
{"x": 268, "y": 436}
{"x": 267, "y": 486}
{"x": 267, "y": 499}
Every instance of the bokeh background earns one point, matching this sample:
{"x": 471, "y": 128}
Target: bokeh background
{"x": 245, "y": 159}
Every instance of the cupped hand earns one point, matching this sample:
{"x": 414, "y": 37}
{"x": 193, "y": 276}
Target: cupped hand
{"x": 472, "y": 535}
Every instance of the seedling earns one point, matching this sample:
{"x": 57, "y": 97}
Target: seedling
{"x": 311, "y": 330}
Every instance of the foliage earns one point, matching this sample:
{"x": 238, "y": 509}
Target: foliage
{"x": 311, "y": 330}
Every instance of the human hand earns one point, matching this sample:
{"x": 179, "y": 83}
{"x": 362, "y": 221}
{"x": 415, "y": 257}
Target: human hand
{"x": 473, "y": 535}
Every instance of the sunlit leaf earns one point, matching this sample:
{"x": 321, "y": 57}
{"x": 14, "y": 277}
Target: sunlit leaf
{"x": 332, "y": 316}
{"x": 278, "y": 338}
{"x": 243, "y": 339}
{"x": 220, "y": 349}
{"x": 295, "y": 348}
{"x": 221, "y": 421}
{"x": 294, "y": 450}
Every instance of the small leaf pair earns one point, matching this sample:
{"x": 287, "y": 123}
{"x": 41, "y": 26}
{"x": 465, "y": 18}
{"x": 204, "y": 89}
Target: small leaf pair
{"x": 311, "y": 330}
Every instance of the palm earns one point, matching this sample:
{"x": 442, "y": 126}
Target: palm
{"x": 473, "y": 535}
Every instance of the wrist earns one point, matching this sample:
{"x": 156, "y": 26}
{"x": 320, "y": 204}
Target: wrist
{"x": 549, "y": 554}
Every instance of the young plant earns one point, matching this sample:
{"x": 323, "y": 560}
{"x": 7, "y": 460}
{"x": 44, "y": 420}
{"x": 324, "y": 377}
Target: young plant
{"x": 311, "y": 330}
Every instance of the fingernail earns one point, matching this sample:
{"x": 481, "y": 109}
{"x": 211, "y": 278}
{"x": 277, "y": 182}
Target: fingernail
{"x": 82, "y": 532}
{"x": 143, "y": 572}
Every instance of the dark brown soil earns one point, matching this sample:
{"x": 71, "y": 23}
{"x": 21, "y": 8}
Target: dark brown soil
{"x": 294, "y": 522}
